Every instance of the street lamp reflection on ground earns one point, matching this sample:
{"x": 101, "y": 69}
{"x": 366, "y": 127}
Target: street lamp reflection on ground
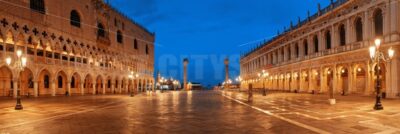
{"x": 19, "y": 66}
{"x": 264, "y": 74}
{"x": 376, "y": 57}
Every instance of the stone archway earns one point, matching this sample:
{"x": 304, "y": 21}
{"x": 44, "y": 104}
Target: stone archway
{"x": 6, "y": 85}
{"x": 109, "y": 85}
{"x": 99, "y": 85}
{"x": 343, "y": 80}
{"x": 61, "y": 83}
{"x": 26, "y": 82}
{"x": 360, "y": 81}
{"x": 88, "y": 84}
{"x": 44, "y": 81}
{"x": 329, "y": 82}
{"x": 123, "y": 84}
{"x": 305, "y": 80}
{"x": 75, "y": 82}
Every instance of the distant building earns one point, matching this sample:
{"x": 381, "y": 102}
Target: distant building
{"x": 195, "y": 86}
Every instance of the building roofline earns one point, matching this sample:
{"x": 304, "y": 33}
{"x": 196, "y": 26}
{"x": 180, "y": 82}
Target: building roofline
{"x": 301, "y": 23}
{"x": 128, "y": 18}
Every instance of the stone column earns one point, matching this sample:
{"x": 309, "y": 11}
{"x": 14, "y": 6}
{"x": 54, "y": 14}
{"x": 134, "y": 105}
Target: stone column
{"x": 185, "y": 63}
{"x": 126, "y": 87}
{"x": 104, "y": 88}
{"x": 69, "y": 87}
{"x": 350, "y": 78}
{"x": 367, "y": 28}
{"x": 53, "y": 87}
{"x": 94, "y": 88}
{"x": 349, "y": 31}
{"x": 120, "y": 87}
{"x": 322, "y": 80}
{"x": 82, "y": 88}
{"x": 137, "y": 85}
{"x": 35, "y": 89}
{"x": 392, "y": 85}
{"x": 335, "y": 80}
{"x": 112, "y": 88}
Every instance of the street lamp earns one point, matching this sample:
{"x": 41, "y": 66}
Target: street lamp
{"x": 19, "y": 66}
{"x": 376, "y": 57}
{"x": 262, "y": 76}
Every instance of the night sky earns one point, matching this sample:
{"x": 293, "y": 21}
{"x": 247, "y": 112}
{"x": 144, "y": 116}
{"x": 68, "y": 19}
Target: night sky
{"x": 208, "y": 31}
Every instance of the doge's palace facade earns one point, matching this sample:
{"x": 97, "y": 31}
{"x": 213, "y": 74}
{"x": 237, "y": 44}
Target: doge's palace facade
{"x": 328, "y": 51}
{"x": 73, "y": 46}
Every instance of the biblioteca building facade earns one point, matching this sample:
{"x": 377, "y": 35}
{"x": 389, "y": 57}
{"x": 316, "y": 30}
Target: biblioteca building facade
{"x": 73, "y": 47}
{"x": 329, "y": 52}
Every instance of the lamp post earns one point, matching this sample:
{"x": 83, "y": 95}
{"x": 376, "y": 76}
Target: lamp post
{"x": 19, "y": 66}
{"x": 376, "y": 57}
{"x": 263, "y": 75}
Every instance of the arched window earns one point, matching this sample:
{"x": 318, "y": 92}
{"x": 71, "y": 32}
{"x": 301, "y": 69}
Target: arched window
{"x": 46, "y": 81}
{"x": 378, "y": 21}
{"x": 296, "y": 48}
{"x": 73, "y": 82}
{"x": 342, "y": 35}
{"x": 305, "y": 43}
{"x": 60, "y": 82}
{"x": 38, "y": 5}
{"x": 316, "y": 44}
{"x": 328, "y": 40}
{"x": 75, "y": 18}
{"x": 359, "y": 29}
{"x": 100, "y": 30}
{"x": 135, "y": 44}
{"x": 147, "y": 49}
{"x": 119, "y": 37}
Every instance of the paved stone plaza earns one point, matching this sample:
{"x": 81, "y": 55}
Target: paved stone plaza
{"x": 198, "y": 112}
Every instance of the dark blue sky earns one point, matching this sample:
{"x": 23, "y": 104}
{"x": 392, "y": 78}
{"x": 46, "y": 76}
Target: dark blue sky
{"x": 207, "y": 31}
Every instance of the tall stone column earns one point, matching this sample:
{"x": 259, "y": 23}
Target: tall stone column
{"x": 226, "y": 62}
{"x": 35, "y": 89}
{"x": 185, "y": 63}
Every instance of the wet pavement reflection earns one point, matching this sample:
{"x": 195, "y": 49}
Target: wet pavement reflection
{"x": 169, "y": 112}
